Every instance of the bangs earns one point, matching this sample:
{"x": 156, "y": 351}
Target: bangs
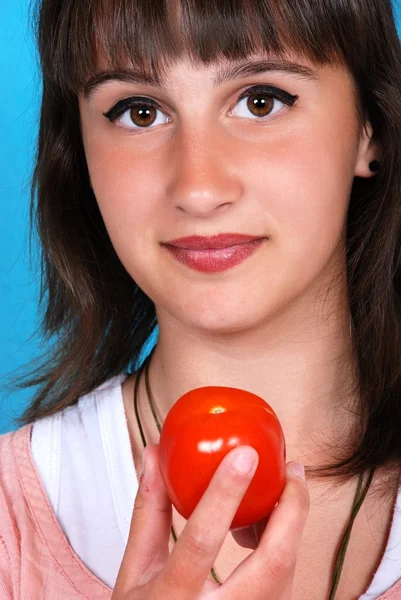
{"x": 149, "y": 35}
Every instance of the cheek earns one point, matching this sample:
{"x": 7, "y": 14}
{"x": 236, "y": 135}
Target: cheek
{"x": 126, "y": 188}
{"x": 126, "y": 191}
{"x": 301, "y": 184}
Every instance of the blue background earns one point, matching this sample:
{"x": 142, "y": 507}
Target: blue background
{"x": 19, "y": 281}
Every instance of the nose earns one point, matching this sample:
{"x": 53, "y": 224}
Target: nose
{"x": 203, "y": 179}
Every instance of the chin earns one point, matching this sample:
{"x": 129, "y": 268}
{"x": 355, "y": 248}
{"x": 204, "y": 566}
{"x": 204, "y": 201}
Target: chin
{"x": 222, "y": 322}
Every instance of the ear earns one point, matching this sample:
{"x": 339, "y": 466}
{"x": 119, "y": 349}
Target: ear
{"x": 368, "y": 150}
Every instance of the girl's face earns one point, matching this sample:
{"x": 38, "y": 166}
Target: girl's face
{"x": 234, "y": 147}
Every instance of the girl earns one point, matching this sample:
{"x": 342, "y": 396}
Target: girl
{"x": 228, "y": 172}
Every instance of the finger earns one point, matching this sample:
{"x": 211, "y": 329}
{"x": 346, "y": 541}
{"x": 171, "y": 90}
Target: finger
{"x": 147, "y": 547}
{"x": 271, "y": 566}
{"x": 248, "y": 537}
{"x": 245, "y": 537}
{"x": 196, "y": 549}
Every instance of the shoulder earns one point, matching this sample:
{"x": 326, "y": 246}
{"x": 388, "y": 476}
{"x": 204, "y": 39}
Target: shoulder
{"x": 14, "y": 456}
{"x": 14, "y": 512}
{"x": 15, "y": 446}
{"x": 14, "y": 449}
{"x": 110, "y": 390}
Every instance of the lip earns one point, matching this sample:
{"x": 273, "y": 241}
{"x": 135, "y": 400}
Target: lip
{"x": 221, "y": 240}
{"x": 214, "y": 254}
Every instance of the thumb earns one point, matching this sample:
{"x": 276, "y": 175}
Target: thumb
{"x": 147, "y": 547}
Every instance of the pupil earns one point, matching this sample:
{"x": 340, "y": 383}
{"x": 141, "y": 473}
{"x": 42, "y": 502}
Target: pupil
{"x": 259, "y": 105}
{"x": 143, "y": 116}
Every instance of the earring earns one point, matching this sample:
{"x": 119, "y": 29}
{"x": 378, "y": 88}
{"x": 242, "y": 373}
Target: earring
{"x": 374, "y": 166}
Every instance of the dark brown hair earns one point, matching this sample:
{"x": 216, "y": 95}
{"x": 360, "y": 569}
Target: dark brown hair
{"x": 95, "y": 318}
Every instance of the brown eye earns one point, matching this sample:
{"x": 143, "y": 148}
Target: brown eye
{"x": 260, "y": 105}
{"x": 137, "y": 113}
{"x": 262, "y": 102}
{"x": 143, "y": 116}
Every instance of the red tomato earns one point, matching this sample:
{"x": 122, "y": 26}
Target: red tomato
{"x": 201, "y": 428}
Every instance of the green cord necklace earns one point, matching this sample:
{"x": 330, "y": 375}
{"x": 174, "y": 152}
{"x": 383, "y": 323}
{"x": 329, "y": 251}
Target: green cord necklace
{"x": 359, "y": 495}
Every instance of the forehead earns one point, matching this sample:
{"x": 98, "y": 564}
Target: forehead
{"x": 151, "y": 35}
{"x": 219, "y": 70}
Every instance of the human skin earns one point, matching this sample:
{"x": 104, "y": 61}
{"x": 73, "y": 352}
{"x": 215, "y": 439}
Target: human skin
{"x": 149, "y": 571}
{"x": 278, "y": 323}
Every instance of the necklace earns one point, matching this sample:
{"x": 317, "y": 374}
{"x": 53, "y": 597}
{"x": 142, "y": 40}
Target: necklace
{"x": 358, "y": 500}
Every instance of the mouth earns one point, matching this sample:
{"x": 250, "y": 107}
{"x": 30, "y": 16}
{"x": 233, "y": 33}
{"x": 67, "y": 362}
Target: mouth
{"x": 213, "y": 254}
{"x": 214, "y": 242}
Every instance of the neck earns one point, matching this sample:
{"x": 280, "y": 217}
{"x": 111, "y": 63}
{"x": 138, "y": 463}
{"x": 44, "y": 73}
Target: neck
{"x": 301, "y": 367}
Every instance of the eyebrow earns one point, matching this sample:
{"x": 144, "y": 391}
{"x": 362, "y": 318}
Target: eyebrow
{"x": 225, "y": 73}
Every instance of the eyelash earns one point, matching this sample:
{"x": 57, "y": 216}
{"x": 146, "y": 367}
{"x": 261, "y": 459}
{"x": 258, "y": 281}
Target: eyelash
{"x": 127, "y": 103}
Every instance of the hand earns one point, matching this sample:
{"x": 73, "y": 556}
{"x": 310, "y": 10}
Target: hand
{"x": 149, "y": 572}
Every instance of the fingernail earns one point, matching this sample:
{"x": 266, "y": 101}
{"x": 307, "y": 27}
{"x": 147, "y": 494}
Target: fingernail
{"x": 245, "y": 461}
{"x": 298, "y": 469}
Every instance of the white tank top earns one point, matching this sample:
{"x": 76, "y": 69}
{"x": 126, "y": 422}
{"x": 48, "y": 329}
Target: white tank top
{"x": 83, "y": 456}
